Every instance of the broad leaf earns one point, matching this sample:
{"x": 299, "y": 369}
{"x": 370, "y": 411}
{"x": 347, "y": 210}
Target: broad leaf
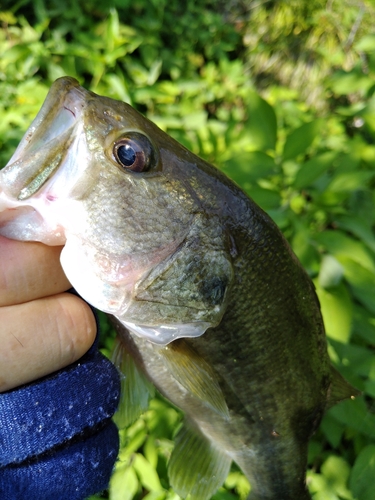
{"x": 300, "y": 139}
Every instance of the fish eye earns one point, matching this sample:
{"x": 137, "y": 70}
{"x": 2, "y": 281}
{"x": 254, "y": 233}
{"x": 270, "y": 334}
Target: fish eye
{"x": 134, "y": 152}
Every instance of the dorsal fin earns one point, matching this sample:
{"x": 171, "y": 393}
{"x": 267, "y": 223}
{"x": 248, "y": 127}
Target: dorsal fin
{"x": 136, "y": 390}
{"x": 195, "y": 374}
{"x": 197, "y": 467}
{"x": 339, "y": 389}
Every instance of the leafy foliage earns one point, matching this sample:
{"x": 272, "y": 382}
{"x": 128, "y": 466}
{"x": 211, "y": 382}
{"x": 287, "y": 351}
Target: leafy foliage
{"x": 280, "y": 95}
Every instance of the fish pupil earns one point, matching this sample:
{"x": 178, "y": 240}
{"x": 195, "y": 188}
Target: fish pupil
{"x": 134, "y": 153}
{"x": 126, "y": 155}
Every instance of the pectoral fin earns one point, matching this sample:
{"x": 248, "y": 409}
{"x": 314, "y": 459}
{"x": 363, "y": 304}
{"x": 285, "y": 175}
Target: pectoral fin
{"x": 339, "y": 389}
{"x": 197, "y": 467}
{"x": 136, "y": 390}
{"x": 195, "y": 374}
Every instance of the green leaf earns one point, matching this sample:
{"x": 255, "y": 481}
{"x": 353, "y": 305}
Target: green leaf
{"x": 360, "y": 227}
{"x": 331, "y": 272}
{"x": 355, "y": 415}
{"x": 336, "y": 471}
{"x": 362, "y": 281}
{"x": 162, "y": 419}
{"x": 123, "y": 484}
{"x": 343, "y": 83}
{"x": 341, "y": 245}
{"x": 364, "y": 324}
{"x": 155, "y": 495}
{"x": 148, "y": 476}
{"x": 337, "y": 311}
{"x": 265, "y": 198}
{"x": 305, "y": 249}
{"x": 363, "y": 473}
{"x": 133, "y": 437}
{"x": 358, "y": 359}
{"x": 239, "y": 482}
{"x": 313, "y": 168}
{"x": 349, "y": 181}
{"x": 331, "y": 484}
{"x": 155, "y": 71}
{"x": 332, "y": 430}
{"x": 366, "y": 44}
{"x": 247, "y": 166}
{"x": 300, "y": 139}
{"x": 150, "y": 451}
{"x": 261, "y": 126}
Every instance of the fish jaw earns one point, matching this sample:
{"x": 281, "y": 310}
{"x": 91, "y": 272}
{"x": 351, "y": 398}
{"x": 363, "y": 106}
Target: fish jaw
{"x": 33, "y": 180}
{"x": 48, "y": 137}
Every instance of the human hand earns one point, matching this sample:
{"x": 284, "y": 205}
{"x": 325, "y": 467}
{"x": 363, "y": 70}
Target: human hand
{"x": 42, "y": 329}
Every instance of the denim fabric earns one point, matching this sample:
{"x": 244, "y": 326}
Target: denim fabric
{"x": 56, "y": 437}
{"x": 74, "y": 472}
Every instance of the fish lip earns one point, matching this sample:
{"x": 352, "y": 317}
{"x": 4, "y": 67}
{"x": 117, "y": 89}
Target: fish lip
{"x": 44, "y": 145}
{"x": 53, "y": 103}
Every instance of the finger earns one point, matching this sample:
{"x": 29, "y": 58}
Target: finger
{"x": 29, "y": 271}
{"x": 43, "y": 336}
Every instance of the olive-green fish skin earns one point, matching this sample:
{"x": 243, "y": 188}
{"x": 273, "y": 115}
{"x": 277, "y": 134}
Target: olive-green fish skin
{"x": 176, "y": 249}
{"x": 269, "y": 355}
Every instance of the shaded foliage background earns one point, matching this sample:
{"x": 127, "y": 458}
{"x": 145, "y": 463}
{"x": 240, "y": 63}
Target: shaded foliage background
{"x": 281, "y": 96}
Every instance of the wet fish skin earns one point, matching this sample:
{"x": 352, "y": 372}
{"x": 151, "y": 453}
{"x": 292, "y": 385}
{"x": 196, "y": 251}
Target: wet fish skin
{"x": 275, "y": 392}
{"x": 180, "y": 244}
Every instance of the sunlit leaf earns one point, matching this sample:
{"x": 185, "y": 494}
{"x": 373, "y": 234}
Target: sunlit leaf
{"x": 261, "y": 126}
{"x": 366, "y": 43}
{"x": 150, "y": 451}
{"x": 362, "y": 281}
{"x": 341, "y": 245}
{"x": 332, "y": 483}
{"x": 155, "y": 495}
{"x": 331, "y": 272}
{"x": 124, "y": 484}
{"x": 146, "y": 473}
{"x": 300, "y": 139}
{"x": 353, "y": 81}
{"x": 358, "y": 226}
{"x": 337, "y": 311}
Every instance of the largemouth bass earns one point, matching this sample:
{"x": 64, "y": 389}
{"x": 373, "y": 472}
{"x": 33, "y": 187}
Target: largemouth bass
{"x": 210, "y": 303}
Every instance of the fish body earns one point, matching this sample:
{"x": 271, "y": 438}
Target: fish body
{"x": 209, "y": 301}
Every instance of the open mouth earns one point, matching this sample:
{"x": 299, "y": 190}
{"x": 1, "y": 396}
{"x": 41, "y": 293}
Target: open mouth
{"x": 43, "y": 149}
{"x": 45, "y": 143}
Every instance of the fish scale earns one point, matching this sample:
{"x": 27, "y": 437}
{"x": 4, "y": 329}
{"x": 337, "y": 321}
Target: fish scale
{"x": 209, "y": 302}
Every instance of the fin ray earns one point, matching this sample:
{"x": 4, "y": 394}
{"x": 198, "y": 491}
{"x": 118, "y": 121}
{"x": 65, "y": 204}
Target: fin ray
{"x": 197, "y": 467}
{"x": 136, "y": 390}
{"x": 195, "y": 374}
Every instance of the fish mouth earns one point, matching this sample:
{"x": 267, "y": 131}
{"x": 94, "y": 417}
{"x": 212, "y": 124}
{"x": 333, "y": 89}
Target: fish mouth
{"x": 24, "y": 206}
{"x": 46, "y": 141}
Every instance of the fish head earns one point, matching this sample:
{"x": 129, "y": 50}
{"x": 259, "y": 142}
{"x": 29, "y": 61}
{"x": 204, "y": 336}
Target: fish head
{"x": 127, "y": 203}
